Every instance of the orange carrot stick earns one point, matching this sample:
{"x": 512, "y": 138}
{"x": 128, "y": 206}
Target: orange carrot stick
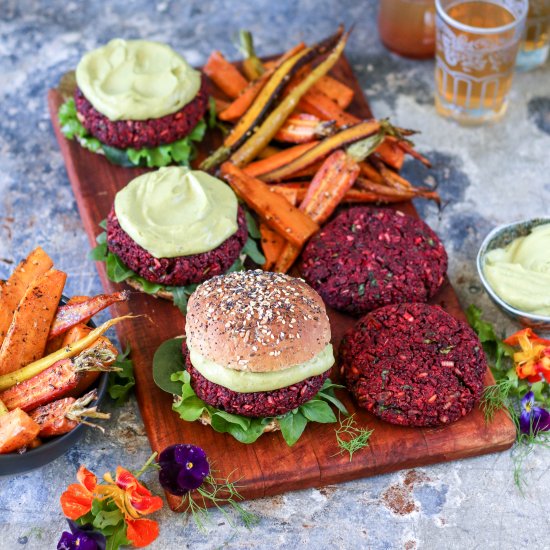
{"x": 272, "y": 208}
{"x": 225, "y": 75}
{"x": 335, "y": 90}
{"x": 390, "y": 153}
{"x": 317, "y": 103}
{"x": 72, "y": 314}
{"x": 304, "y": 128}
{"x": 278, "y": 160}
{"x": 241, "y": 104}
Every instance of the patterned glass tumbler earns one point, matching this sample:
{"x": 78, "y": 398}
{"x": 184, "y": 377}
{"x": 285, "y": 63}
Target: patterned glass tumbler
{"x": 533, "y": 50}
{"x": 476, "y": 47}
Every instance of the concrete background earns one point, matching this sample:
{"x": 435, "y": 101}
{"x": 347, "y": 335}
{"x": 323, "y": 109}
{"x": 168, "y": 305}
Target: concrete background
{"x": 487, "y": 176}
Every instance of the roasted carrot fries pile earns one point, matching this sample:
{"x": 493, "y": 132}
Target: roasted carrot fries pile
{"x": 294, "y": 152}
{"x": 49, "y": 356}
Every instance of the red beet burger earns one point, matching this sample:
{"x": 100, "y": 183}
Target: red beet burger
{"x": 134, "y": 96}
{"x": 370, "y": 257}
{"x": 258, "y": 343}
{"x": 413, "y": 365}
{"x": 172, "y": 229}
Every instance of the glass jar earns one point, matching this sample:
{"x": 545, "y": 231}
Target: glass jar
{"x": 407, "y": 27}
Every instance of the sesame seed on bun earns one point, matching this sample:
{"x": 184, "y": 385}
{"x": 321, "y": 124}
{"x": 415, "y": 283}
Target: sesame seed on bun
{"x": 257, "y": 321}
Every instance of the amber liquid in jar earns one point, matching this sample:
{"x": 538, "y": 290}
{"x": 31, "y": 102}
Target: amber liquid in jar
{"x": 407, "y": 27}
{"x": 488, "y": 61}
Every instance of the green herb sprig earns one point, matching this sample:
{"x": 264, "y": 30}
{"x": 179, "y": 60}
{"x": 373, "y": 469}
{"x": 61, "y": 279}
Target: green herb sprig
{"x": 350, "y": 438}
{"x": 219, "y": 492}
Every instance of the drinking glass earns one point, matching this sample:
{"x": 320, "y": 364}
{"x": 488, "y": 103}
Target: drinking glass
{"x": 535, "y": 45}
{"x": 476, "y": 47}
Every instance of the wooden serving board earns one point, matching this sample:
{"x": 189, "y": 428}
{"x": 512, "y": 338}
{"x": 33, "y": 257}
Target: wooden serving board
{"x": 268, "y": 466}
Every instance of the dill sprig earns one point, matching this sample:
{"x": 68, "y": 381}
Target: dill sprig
{"x": 219, "y": 492}
{"x": 350, "y": 438}
{"x": 495, "y": 397}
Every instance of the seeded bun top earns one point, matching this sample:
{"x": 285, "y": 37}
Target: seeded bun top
{"x": 256, "y": 321}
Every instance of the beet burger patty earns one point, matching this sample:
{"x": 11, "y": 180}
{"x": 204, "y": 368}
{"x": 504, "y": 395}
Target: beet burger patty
{"x": 258, "y": 343}
{"x": 181, "y": 270}
{"x": 414, "y": 365}
{"x": 175, "y": 227}
{"x": 137, "y": 134}
{"x": 370, "y": 257}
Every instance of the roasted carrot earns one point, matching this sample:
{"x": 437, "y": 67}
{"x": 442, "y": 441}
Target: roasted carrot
{"x": 323, "y": 148}
{"x": 392, "y": 178}
{"x": 269, "y": 151}
{"x": 63, "y": 415}
{"x": 255, "y": 114}
{"x": 270, "y": 126}
{"x": 384, "y": 192}
{"x": 69, "y": 315}
{"x": 304, "y": 128}
{"x": 336, "y": 176}
{"x": 240, "y": 105}
{"x": 272, "y": 242}
{"x": 57, "y": 381}
{"x": 224, "y": 75}
{"x": 408, "y": 148}
{"x": 17, "y": 430}
{"x": 90, "y": 376}
{"x": 317, "y": 103}
{"x": 13, "y": 290}
{"x": 55, "y": 343}
{"x": 28, "y": 371}
{"x": 272, "y": 208}
{"x": 390, "y": 153}
{"x": 278, "y": 160}
{"x": 370, "y": 172}
{"x": 26, "y": 338}
{"x": 335, "y": 90}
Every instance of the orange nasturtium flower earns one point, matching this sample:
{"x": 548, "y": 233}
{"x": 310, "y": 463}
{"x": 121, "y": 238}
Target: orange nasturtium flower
{"x": 533, "y": 361}
{"x": 131, "y": 498}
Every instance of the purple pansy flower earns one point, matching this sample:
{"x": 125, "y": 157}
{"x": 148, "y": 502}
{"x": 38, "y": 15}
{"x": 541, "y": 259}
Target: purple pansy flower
{"x": 533, "y": 419}
{"x": 81, "y": 537}
{"x": 182, "y": 468}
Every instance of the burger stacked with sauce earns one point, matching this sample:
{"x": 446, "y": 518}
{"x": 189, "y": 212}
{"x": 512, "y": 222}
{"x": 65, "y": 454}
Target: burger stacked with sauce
{"x": 172, "y": 228}
{"x": 258, "y": 343}
{"x": 135, "y": 96}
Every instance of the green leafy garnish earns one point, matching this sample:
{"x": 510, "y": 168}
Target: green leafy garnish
{"x": 495, "y": 397}
{"x": 118, "y": 272}
{"x": 168, "y": 360}
{"x": 350, "y": 438}
{"x": 182, "y": 151}
{"x": 122, "y": 381}
{"x": 494, "y": 347}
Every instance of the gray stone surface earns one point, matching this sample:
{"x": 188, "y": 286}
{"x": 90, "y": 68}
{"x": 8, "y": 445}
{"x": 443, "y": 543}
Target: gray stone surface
{"x": 487, "y": 176}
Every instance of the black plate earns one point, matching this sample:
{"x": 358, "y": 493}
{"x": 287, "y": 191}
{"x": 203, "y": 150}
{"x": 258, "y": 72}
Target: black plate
{"x": 15, "y": 463}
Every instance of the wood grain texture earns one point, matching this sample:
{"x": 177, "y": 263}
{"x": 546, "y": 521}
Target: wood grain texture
{"x": 269, "y": 466}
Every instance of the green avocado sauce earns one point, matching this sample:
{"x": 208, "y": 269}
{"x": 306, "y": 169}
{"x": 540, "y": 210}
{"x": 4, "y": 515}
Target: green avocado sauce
{"x": 176, "y": 211}
{"x": 136, "y": 80}
{"x": 247, "y": 382}
{"x": 520, "y": 272}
